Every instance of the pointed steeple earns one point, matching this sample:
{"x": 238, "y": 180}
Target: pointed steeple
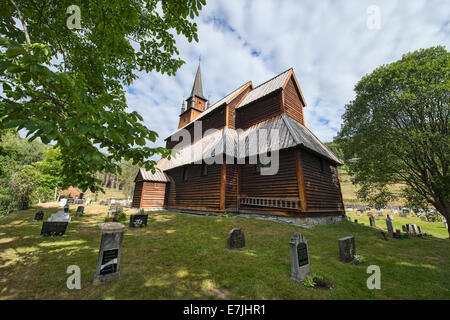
{"x": 197, "y": 88}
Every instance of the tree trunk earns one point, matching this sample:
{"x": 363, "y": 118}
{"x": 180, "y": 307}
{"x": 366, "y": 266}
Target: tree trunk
{"x": 444, "y": 209}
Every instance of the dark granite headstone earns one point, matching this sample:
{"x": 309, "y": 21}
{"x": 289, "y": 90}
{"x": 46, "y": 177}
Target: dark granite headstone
{"x": 419, "y": 229}
{"x": 138, "y": 220}
{"x": 39, "y": 215}
{"x": 236, "y": 239}
{"x": 372, "y": 221}
{"x": 52, "y": 228}
{"x": 347, "y": 248}
{"x": 300, "y": 268}
{"x": 404, "y": 228}
{"x": 80, "y": 211}
{"x": 66, "y": 207}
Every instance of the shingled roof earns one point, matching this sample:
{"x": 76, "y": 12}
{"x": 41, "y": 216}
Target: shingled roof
{"x": 265, "y": 88}
{"x": 282, "y": 132}
{"x": 158, "y": 176}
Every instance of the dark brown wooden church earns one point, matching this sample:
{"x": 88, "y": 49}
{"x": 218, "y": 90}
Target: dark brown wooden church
{"x": 305, "y": 185}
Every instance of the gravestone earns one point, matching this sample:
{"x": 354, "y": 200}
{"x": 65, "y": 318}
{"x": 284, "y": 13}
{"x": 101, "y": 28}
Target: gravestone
{"x": 413, "y": 228}
{"x": 138, "y": 220}
{"x": 347, "y": 248}
{"x": 358, "y": 212}
{"x": 350, "y": 209}
{"x": 66, "y": 208}
{"x": 39, "y": 215}
{"x": 88, "y": 201}
{"x": 62, "y": 202}
{"x": 236, "y": 239}
{"x": 404, "y": 228}
{"x": 80, "y": 211}
{"x": 51, "y": 228}
{"x": 419, "y": 229}
{"x": 372, "y": 221}
{"x": 114, "y": 210}
{"x": 395, "y": 211}
{"x": 348, "y": 218}
{"x": 60, "y": 216}
{"x": 391, "y": 217}
{"x": 409, "y": 229}
{"x": 405, "y": 212}
{"x": 110, "y": 249}
{"x": 390, "y": 229}
{"x": 300, "y": 268}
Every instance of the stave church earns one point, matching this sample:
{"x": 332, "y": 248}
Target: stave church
{"x": 248, "y": 153}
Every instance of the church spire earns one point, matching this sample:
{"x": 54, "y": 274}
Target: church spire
{"x": 197, "y": 88}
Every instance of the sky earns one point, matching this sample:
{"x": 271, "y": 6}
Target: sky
{"x": 330, "y": 44}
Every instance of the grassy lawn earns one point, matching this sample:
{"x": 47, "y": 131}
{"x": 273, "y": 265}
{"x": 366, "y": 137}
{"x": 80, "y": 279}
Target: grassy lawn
{"x": 179, "y": 256}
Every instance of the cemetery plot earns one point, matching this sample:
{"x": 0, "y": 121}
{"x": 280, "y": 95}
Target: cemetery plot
{"x": 138, "y": 220}
{"x": 300, "y": 268}
{"x": 53, "y": 228}
{"x": 80, "y": 211}
{"x": 347, "y": 248}
{"x": 236, "y": 239}
{"x": 39, "y": 215}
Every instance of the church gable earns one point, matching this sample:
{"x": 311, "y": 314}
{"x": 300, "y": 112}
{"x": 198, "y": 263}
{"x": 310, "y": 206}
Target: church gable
{"x": 293, "y": 102}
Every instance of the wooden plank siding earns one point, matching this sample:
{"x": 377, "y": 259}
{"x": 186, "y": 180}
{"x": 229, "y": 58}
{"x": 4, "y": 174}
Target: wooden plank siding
{"x": 137, "y": 194}
{"x": 198, "y": 192}
{"x": 260, "y": 110}
{"x": 281, "y": 185}
{"x": 293, "y": 106}
{"x": 232, "y": 108}
{"x": 322, "y": 187}
{"x": 232, "y": 181}
{"x": 153, "y": 194}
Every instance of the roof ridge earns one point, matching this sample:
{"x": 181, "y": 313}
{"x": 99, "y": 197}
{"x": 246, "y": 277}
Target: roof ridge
{"x": 271, "y": 78}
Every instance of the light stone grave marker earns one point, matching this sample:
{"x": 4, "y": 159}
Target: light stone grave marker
{"x": 389, "y": 226}
{"x": 300, "y": 268}
{"x": 347, "y": 248}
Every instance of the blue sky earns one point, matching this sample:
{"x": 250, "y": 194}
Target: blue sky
{"x": 328, "y": 43}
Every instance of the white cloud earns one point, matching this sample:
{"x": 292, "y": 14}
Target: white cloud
{"x": 326, "y": 42}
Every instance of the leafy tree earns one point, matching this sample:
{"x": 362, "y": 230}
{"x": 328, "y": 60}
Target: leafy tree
{"x": 51, "y": 170}
{"x": 23, "y": 183}
{"x": 398, "y": 125}
{"x": 67, "y": 85}
{"x": 129, "y": 172}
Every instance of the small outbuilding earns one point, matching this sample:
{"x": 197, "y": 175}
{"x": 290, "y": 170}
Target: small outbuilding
{"x": 150, "y": 190}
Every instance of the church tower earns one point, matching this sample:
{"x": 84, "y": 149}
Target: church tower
{"x": 195, "y": 103}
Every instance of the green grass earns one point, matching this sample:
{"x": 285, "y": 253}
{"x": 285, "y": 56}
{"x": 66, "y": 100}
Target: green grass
{"x": 179, "y": 256}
